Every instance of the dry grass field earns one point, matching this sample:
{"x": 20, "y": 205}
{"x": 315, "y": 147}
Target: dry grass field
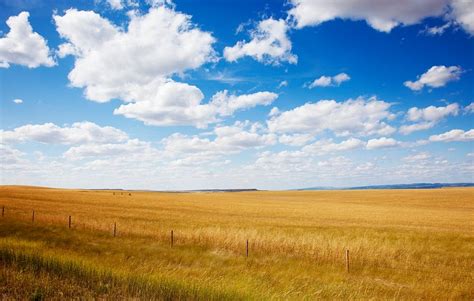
{"x": 403, "y": 244}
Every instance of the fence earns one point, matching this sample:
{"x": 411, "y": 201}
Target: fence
{"x": 69, "y": 222}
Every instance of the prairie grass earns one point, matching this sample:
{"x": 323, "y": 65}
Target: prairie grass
{"x": 404, "y": 244}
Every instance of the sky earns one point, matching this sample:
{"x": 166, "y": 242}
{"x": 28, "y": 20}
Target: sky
{"x": 178, "y": 95}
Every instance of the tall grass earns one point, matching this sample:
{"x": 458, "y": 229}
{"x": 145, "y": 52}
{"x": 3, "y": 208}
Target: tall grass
{"x": 403, "y": 244}
{"x": 103, "y": 280}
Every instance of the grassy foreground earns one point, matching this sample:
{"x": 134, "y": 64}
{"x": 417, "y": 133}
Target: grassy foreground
{"x": 404, "y": 244}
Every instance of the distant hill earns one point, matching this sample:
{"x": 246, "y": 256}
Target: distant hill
{"x": 394, "y": 186}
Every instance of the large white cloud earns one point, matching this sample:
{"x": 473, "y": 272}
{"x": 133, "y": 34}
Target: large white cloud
{"x": 382, "y": 15}
{"x": 454, "y": 135}
{"x": 77, "y": 133}
{"x": 173, "y": 103}
{"x": 435, "y": 77}
{"x": 112, "y": 62}
{"x": 136, "y": 65}
{"x": 355, "y": 116}
{"x": 269, "y": 44}
{"x": 428, "y": 117}
{"x": 22, "y": 46}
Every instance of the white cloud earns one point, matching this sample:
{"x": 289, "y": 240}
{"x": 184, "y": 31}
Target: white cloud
{"x": 437, "y": 30}
{"x": 136, "y": 65}
{"x": 408, "y": 129}
{"x": 382, "y": 142}
{"x": 168, "y": 103}
{"x": 463, "y": 14}
{"x": 295, "y": 139}
{"x": 435, "y": 77}
{"x": 326, "y": 81}
{"x": 355, "y": 116}
{"x": 282, "y": 84}
{"x": 454, "y": 135}
{"x": 18, "y": 101}
{"x": 77, "y": 133}
{"x": 132, "y": 146}
{"x": 174, "y": 103}
{"x": 422, "y": 156}
{"x": 328, "y": 146}
{"x": 269, "y": 44}
{"x": 469, "y": 108}
{"x": 112, "y": 62}
{"x": 432, "y": 113}
{"x": 274, "y": 112}
{"x": 427, "y": 117}
{"x": 226, "y": 104}
{"x": 382, "y": 15}
{"x": 115, "y": 4}
{"x": 228, "y": 140}
{"x": 22, "y": 46}
{"x": 10, "y": 155}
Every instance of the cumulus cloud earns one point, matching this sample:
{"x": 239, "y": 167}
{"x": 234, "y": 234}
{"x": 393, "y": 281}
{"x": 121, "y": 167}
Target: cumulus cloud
{"x": 435, "y": 77}
{"x": 382, "y": 142}
{"x": 136, "y": 65}
{"x": 115, "y": 63}
{"x": 454, "y": 135}
{"x": 355, "y": 116}
{"x": 382, "y": 15}
{"x": 327, "y": 81}
{"x": 269, "y": 44}
{"x": 428, "y": 117}
{"x": 22, "y": 46}
{"x": 77, "y": 133}
{"x": 18, "y": 101}
{"x": 432, "y": 113}
{"x": 173, "y": 103}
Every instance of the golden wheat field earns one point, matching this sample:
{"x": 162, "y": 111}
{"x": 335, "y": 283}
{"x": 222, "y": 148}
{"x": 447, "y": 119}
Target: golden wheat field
{"x": 403, "y": 244}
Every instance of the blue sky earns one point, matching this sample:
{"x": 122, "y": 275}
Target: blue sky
{"x": 220, "y": 94}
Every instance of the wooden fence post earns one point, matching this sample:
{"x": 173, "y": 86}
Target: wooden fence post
{"x": 115, "y": 229}
{"x": 33, "y": 216}
{"x": 247, "y": 248}
{"x": 347, "y": 260}
{"x": 172, "y": 238}
{"x": 69, "y": 222}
